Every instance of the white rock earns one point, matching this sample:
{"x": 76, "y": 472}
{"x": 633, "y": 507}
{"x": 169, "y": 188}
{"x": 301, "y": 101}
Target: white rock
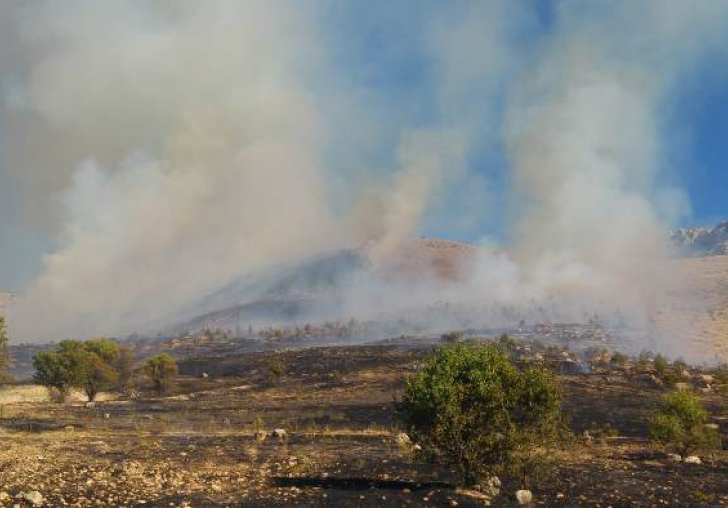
{"x": 524, "y": 497}
{"x": 403, "y": 439}
{"x": 693, "y": 459}
{"x": 674, "y": 457}
{"x": 4, "y": 496}
{"x": 280, "y": 433}
{"x": 34, "y": 498}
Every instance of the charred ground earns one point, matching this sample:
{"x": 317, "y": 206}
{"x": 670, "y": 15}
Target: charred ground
{"x": 198, "y": 447}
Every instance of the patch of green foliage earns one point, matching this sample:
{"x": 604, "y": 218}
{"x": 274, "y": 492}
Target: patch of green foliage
{"x": 4, "y": 356}
{"x": 162, "y": 372}
{"x": 618, "y": 359}
{"x": 276, "y": 368}
{"x": 92, "y": 366}
{"x": 475, "y": 410}
{"x": 661, "y": 365}
{"x": 681, "y": 424}
{"x": 452, "y": 337}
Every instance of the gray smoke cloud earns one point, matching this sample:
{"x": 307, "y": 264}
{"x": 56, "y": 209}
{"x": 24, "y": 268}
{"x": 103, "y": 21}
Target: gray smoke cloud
{"x": 169, "y": 147}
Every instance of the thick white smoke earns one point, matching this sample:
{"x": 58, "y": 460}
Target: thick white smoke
{"x": 181, "y": 144}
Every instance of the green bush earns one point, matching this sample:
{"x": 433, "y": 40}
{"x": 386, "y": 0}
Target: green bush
{"x": 473, "y": 409}
{"x": 4, "y": 356}
{"x": 618, "y": 359}
{"x": 91, "y": 366}
{"x": 681, "y": 424}
{"x": 661, "y": 365}
{"x": 452, "y": 337}
{"x": 162, "y": 372}
{"x": 276, "y": 368}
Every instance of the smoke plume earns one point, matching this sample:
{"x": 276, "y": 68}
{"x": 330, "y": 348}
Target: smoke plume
{"x": 166, "y": 148}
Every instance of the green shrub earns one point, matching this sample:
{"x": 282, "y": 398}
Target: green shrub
{"x": 618, "y": 359}
{"x": 681, "y": 424}
{"x": 276, "y": 369}
{"x": 452, "y": 337}
{"x": 162, "y": 371}
{"x": 721, "y": 375}
{"x": 4, "y": 356}
{"x": 473, "y": 409}
{"x": 661, "y": 365}
{"x": 91, "y": 366}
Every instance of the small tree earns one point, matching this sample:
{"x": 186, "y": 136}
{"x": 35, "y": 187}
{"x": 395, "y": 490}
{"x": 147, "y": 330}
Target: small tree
{"x": 56, "y": 371}
{"x": 4, "y": 355}
{"x": 125, "y": 367}
{"x": 661, "y": 365}
{"x": 90, "y": 365}
{"x": 452, "y": 337}
{"x": 161, "y": 370}
{"x": 97, "y": 375}
{"x": 473, "y": 409}
{"x": 681, "y": 424}
{"x": 276, "y": 369}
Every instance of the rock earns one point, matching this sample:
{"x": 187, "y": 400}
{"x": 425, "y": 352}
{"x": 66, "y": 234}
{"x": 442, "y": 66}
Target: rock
{"x": 260, "y": 435}
{"x": 682, "y": 387}
{"x": 674, "y": 457}
{"x": 692, "y": 459}
{"x": 4, "y": 496}
{"x": 524, "y": 497}
{"x": 280, "y": 433}
{"x": 90, "y": 405}
{"x": 34, "y": 498}
{"x": 656, "y": 381}
{"x": 712, "y": 426}
{"x": 107, "y": 416}
{"x": 69, "y": 428}
{"x": 685, "y": 374}
{"x": 205, "y": 375}
{"x": 403, "y": 439}
{"x": 707, "y": 378}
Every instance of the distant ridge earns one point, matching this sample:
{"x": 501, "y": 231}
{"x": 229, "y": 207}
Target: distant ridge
{"x": 702, "y": 241}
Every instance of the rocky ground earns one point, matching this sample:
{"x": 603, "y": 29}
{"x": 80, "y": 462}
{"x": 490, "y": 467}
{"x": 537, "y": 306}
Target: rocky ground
{"x": 203, "y": 447}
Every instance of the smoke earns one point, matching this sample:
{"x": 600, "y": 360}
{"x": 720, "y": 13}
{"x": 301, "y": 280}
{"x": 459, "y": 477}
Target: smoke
{"x": 169, "y": 147}
{"x": 190, "y": 145}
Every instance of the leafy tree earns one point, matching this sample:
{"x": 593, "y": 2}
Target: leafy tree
{"x": 618, "y": 359}
{"x": 161, "y": 370}
{"x": 472, "y": 408}
{"x": 90, "y": 365}
{"x": 681, "y": 424}
{"x": 4, "y": 356}
{"x": 58, "y": 371}
{"x": 452, "y": 337}
{"x": 661, "y": 365}
{"x": 276, "y": 369}
{"x": 125, "y": 367}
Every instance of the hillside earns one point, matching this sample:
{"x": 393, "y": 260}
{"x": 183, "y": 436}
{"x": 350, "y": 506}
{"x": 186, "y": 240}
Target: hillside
{"x": 314, "y": 289}
{"x": 701, "y": 241}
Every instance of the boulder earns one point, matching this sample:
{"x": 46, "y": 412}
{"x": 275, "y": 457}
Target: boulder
{"x": 260, "y": 435}
{"x": 674, "y": 457}
{"x": 693, "y": 459}
{"x": 524, "y": 497}
{"x": 280, "y": 433}
{"x": 682, "y": 387}
{"x": 34, "y": 498}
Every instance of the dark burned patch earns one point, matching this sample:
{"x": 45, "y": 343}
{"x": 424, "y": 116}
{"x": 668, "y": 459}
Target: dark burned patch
{"x": 357, "y": 483}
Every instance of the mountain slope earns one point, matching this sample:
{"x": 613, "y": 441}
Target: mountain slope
{"x": 700, "y": 241}
{"x": 315, "y": 288}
